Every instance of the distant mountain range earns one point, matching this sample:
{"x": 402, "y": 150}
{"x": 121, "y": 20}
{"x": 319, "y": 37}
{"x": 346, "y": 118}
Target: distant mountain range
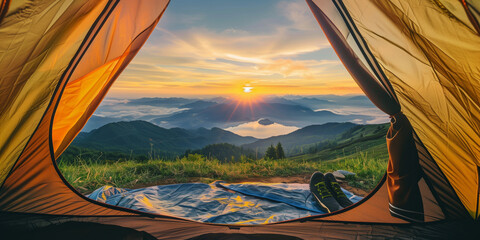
{"x": 232, "y": 113}
{"x": 161, "y": 102}
{"x": 298, "y": 111}
{"x": 141, "y": 137}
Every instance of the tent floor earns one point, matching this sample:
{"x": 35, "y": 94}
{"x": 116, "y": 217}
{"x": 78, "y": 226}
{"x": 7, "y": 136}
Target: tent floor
{"x": 32, "y": 226}
{"x": 77, "y": 231}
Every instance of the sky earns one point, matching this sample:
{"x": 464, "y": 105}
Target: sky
{"x": 230, "y": 47}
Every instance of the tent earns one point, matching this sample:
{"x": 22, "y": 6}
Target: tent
{"x": 416, "y": 60}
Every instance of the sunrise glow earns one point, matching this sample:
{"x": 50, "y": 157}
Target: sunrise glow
{"x": 274, "y": 45}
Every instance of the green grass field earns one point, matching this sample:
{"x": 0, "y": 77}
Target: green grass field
{"x": 368, "y": 159}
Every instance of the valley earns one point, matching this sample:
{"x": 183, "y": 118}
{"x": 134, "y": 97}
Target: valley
{"x": 150, "y": 141}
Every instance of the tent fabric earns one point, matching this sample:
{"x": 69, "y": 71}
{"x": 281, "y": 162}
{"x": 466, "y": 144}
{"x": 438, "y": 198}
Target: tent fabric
{"x": 403, "y": 189}
{"x": 356, "y": 64}
{"x": 246, "y": 203}
{"x": 34, "y": 183}
{"x": 433, "y": 94}
{"x": 445, "y": 195}
{"x": 3, "y": 8}
{"x": 100, "y": 66}
{"x": 472, "y": 10}
{"x": 168, "y": 228}
{"x": 32, "y": 50}
{"x": 405, "y": 200}
{"x": 435, "y": 77}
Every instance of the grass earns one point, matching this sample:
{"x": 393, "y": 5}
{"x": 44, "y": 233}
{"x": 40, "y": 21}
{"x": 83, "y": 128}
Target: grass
{"x": 368, "y": 163}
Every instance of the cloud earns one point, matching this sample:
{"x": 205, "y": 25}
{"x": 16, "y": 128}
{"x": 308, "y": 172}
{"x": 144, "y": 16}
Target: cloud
{"x": 284, "y": 66}
{"x": 257, "y": 130}
{"x": 292, "y": 51}
{"x": 298, "y": 14}
{"x": 118, "y": 109}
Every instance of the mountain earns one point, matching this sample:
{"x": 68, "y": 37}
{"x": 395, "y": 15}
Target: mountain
{"x": 217, "y": 135}
{"x": 161, "y": 102}
{"x": 265, "y": 122}
{"x": 232, "y": 113}
{"x": 142, "y": 137}
{"x": 97, "y": 121}
{"x": 275, "y": 99}
{"x": 358, "y": 98}
{"x": 332, "y": 101}
{"x": 223, "y": 112}
{"x": 141, "y": 140}
{"x": 313, "y": 103}
{"x": 199, "y": 104}
{"x": 307, "y": 135}
{"x": 218, "y": 99}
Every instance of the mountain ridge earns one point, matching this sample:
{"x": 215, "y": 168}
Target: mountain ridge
{"x": 229, "y": 114}
{"x": 143, "y": 137}
{"x": 225, "y": 112}
{"x": 307, "y": 135}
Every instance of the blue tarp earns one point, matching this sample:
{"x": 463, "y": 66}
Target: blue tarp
{"x": 219, "y": 202}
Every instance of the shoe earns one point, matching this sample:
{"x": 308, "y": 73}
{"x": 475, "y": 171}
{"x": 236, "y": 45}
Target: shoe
{"x": 321, "y": 194}
{"x": 336, "y": 191}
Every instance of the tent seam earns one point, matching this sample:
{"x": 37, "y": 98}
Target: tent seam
{"x": 52, "y": 154}
{"x": 365, "y": 49}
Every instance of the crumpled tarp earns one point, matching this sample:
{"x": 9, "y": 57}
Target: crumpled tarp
{"x": 219, "y": 202}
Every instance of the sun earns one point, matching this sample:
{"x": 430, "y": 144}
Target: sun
{"x": 247, "y": 89}
{"x": 247, "y": 99}
{"x": 248, "y": 94}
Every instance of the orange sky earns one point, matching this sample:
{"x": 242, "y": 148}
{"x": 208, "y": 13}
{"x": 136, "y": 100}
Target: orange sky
{"x": 275, "y": 47}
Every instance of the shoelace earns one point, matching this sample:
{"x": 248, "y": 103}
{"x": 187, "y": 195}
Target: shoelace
{"x": 337, "y": 189}
{"x": 323, "y": 190}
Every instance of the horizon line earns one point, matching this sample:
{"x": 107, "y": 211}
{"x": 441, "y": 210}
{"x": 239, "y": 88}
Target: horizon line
{"x": 229, "y": 95}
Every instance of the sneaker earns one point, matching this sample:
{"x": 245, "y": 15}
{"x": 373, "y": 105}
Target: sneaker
{"x": 336, "y": 191}
{"x": 322, "y": 195}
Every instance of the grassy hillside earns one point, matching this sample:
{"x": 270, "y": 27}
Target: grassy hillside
{"x": 307, "y": 135}
{"x": 355, "y": 139}
{"x": 224, "y": 152}
{"x": 365, "y": 155}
